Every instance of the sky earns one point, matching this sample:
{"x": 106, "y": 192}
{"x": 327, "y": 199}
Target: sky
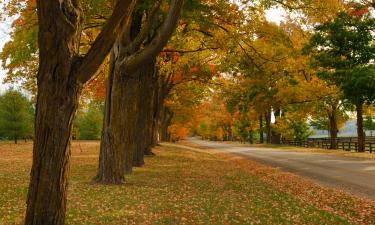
{"x": 4, "y": 37}
{"x": 273, "y": 15}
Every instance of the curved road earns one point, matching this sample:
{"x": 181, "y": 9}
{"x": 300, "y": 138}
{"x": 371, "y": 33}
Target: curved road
{"x": 350, "y": 174}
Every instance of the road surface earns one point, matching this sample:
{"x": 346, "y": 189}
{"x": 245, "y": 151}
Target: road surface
{"x": 354, "y": 175}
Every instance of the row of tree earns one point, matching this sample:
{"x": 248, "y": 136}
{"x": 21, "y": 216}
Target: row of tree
{"x": 304, "y": 73}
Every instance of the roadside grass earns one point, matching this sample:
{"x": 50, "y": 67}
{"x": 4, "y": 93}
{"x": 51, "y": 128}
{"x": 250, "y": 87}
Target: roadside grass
{"x": 181, "y": 186}
{"x": 339, "y": 152}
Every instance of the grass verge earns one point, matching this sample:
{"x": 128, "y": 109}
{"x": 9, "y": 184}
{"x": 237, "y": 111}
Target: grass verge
{"x": 181, "y": 186}
{"x": 339, "y": 152}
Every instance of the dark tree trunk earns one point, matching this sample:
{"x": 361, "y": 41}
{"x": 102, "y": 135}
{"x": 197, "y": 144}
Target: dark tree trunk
{"x": 275, "y": 136}
{"x": 261, "y": 138}
{"x": 155, "y": 114}
{"x": 117, "y": 146}
{"x": 57, "y": 101}
{"x": 166, "y": 120}
{"x": 55, "y": 110}
{"x": 267, "y": 117}
{"x": 333, "y": 130}
{"x": 144, "y": 114}
{"x": 119, "y": 128}
{"x": 361, "y": 136}
{"x": 15, "y": 140}
{"x": 161, "y": 90}
{"x": 150, "y": 115}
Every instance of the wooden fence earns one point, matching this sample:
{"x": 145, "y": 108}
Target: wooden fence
{"x": 344, "y": 143}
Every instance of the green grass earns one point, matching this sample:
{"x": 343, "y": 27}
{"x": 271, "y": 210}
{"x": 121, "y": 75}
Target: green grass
{"x": 178, "y": 186}
{"x": 338, "y": 152}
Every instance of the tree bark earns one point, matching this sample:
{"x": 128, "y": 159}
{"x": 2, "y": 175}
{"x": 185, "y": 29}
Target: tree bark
{"x": 166, "y": 120}
{"x": 275, "y": 136}
{"x": 144, "y": 115}
{"x": 156, "y": 113}
{"x": 150, "y": 113}
{"x": 261, "y": 138}
{"x": 57, "y": 102}
{"x": 333, "y": 129}
{"x": 267, "y": 117}
{"x": 162, "y": 88}
{"x": 360, "y": 134}
{"x": 117, "y": 145}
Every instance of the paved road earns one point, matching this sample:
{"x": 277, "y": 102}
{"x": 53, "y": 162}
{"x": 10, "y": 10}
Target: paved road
{"x": 354, "y": 175}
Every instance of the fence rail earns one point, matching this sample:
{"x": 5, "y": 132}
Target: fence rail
{"x": 346, "y": 144}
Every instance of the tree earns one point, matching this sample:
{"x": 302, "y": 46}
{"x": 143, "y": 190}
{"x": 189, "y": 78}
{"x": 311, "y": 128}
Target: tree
{"x": 369, "y": 123}
{"x": 330, "y": 114}
{"x": 91, "y": 122}
{"x": 342, "y": 50}
{"x": 62, "y": 73}
{"x": 16, "y": 115}
{"x": 301, "y": 130}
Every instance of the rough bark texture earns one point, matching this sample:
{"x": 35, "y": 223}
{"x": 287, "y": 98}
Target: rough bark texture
{"x": 360, "y": 133}
{"x": 267, "y": 117}
{"x": 117, "y": 145}
{"x": 275, "y": 136}
{"x": 155, "y": 113}
{"x": 59, "y": 87}
{"x": 333, "y": 129}
{"x": 56, "y": 104}
{"x": 149, "y": 138}
{"x": 144, "y": 114}
{"x": 261, "y": 138}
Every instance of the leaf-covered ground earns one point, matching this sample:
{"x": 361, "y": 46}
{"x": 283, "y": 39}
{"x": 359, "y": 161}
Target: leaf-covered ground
{"x": 339, "y": 152}
{"x": 182, "y": 186}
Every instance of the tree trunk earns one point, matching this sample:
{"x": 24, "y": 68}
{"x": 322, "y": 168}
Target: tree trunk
{"x": 118, "y": 137}
{"x": 57, "y": 101}
{"x": 144, "y": 114}
{"x": 275, "y": 136}
{"x": 261, "y": 138}
{"x": 150, "y": 115}
{"x": 361, "y": 137}
{"x": 333, "y": 130}
{"x": 15, "y": 140}
{"x": 267, "y": 117}
{"x": 166, "y": 120}
{"x": 156, "y": 105}
{"x": 47, "y": 191}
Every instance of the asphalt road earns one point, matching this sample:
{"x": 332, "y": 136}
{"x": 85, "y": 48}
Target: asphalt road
{"x": 350, "y": 174}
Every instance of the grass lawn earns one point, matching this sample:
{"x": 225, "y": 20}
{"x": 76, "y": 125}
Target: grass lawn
{"x": 182, "y": 186}
{"x": 340, "y": 152}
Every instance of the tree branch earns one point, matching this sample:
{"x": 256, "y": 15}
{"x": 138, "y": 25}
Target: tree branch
{"x": 133, "y": 62}
{"x": 137, "y": 42}
{"x": 201, "y": 49}
{"x": 105, "y": 40}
